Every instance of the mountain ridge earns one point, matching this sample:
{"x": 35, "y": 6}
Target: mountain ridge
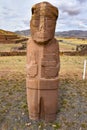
{"x": 70, "y": 33}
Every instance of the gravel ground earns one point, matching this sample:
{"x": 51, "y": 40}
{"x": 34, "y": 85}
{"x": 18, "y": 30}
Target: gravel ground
{"x": 72, "y": 105}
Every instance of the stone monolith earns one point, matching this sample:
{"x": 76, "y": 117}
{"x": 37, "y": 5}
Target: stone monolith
{"x": 43, "y": 63}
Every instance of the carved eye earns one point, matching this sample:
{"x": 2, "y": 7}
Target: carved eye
{"x": 35, "y": 23}
{"x": 32, "y": 11}
{"x": 50, "y": 23}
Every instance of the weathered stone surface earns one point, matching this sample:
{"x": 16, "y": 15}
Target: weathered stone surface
{"x": 42, "y": 14}
{"x": 42, "y": 84}
{"x": 42, "y": 104}
{"x": 43, "y": 63}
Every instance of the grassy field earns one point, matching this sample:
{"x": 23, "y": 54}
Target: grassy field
{"x": 72, "y": 99}
{"x": 69, "y": 47}
{"x": 8, "y": 47}
{"x": 73, "y": 40}
{"x": 63, "y": 46}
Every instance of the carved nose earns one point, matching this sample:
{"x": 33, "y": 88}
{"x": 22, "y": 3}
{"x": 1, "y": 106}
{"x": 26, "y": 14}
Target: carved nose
{"x": 42, "y": 27}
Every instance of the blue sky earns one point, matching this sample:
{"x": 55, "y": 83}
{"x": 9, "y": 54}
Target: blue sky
{"x": 16, "y": 14}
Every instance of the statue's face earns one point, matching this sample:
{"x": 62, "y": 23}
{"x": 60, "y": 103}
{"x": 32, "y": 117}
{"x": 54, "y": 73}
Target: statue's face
{"x": 42, "y": 29}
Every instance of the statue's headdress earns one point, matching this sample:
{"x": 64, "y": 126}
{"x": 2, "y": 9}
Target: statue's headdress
{"x": 44, "y": 9}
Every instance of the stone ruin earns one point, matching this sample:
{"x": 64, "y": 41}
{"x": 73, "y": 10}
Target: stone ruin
{"x": 43, "y": 63}
{"x": 81, "y": 47}
{"x": 7, "y": 37}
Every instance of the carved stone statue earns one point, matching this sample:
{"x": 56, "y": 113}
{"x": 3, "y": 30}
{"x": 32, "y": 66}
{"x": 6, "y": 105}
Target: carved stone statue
{"x": 43, "y": 63}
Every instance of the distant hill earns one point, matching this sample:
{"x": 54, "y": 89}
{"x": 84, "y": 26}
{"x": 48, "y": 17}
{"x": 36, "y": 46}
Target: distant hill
{"x": 23, "y": 32}
{"x": 72, "y": 33}
{"x": 4, "y": 32}
{"x": 11, "y": 37}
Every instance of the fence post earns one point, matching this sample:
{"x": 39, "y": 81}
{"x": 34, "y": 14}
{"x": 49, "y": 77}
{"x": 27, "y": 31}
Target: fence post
{"x": 84, "y": 71}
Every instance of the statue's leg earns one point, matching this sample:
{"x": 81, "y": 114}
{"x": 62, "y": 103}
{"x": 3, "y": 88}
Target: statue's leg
{"x": 50, "y": 104}
{"x": 33, "y": 103}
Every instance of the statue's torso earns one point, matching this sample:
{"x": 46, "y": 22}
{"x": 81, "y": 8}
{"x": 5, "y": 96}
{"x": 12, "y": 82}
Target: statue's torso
{"x": 43, "y": 64}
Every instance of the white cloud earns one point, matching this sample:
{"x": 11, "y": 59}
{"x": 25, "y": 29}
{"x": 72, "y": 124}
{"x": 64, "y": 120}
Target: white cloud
{"x": 16, "y": 14}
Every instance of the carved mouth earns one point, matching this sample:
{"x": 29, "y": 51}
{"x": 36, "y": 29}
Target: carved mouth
{"x": 42, "y": 40}
{"x": 41, "y": 37}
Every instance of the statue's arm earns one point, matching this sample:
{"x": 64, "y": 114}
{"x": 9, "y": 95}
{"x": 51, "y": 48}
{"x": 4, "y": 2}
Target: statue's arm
{"x": 58, "y": 56}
